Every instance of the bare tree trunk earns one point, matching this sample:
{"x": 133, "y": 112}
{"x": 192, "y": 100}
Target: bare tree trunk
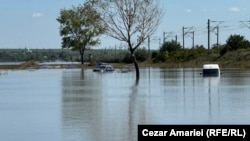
{"x": 136, "y": 66}
{"x": 131, "y": 21}
{"x": 81, "y": 53}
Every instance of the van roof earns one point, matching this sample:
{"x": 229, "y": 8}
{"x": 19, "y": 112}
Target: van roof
{"x": 210, "y": 66}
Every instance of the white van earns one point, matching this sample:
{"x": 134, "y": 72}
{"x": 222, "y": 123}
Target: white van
{"x": 211, "y": 70}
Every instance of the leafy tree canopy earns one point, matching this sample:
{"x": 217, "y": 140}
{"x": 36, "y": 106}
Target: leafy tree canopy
{"x": 79, "y": 26}
{"x": 170, "y": 46}
{"x": 235, "y": 42}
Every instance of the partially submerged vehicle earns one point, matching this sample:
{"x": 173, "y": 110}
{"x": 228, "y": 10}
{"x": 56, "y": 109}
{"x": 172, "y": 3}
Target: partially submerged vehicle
{"x": 100, "y": 63}
{"x": 104, "y": 68}
{"x": 211, "y": 70}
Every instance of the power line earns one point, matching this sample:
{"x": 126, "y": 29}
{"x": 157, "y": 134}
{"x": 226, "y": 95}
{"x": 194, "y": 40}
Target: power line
{"x": 168, "y": 35}
{"x": 246, "y": 23}
{"x": 212, "y": 27}
{"x": 186, "y": 31}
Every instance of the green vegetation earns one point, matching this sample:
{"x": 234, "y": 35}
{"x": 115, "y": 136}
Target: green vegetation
{"x": 79, "y": 27}
{"x": 235, "y": 42}
{"x": 236, "y": 45}
{"x": 50, "y": 55}
{"x": 41, "y": 55}
{"x": 235, "y": 53}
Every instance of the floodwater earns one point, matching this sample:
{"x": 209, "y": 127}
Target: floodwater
{"x": 80, "y": 105}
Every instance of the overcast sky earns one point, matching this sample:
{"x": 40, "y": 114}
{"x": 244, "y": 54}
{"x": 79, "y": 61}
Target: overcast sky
{"x": 32, "y": 23}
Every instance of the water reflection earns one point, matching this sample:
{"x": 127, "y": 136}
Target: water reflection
{"x": 95, "y": 109}
{"x": 110, "y": 106}
{"x": 211, "y": 87}
{"x": 80, "y": 105}
{"x": 75, "y": 104}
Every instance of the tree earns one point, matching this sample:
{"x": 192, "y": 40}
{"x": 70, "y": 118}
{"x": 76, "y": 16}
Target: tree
{"x": 79, "y": 26}
{"x": 167, "y": 49}
{"x": 130, "y": 21}
{"x": 234, "y": 42}
{"x": 170, "y": 46}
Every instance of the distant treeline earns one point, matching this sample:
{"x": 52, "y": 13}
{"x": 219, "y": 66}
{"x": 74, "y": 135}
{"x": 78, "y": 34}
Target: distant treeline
{"x": 170, "y": 51}
{"x": 93, "y": 55}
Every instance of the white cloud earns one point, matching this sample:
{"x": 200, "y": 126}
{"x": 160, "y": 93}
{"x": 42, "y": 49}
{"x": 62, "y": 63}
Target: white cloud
{"x": 234, "y": 9}
{"x": 37, "y": 15}
{"x": 189, "y": 10}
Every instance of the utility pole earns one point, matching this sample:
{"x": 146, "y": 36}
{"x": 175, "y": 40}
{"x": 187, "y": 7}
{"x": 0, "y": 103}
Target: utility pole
{"x": 184, "y": 33}
{"x": 164, "y": 37}
{"x": 217, "y": 35}
{"x": 208, "y": 35}
{"x": 218, "y": 38}
{"x": 157, "y": 39}
{"x": 217, "y": 32}
{"x": 159, "y": 42}
{"x": 183, "y": 37}
{"x": 169, "y": 34}
{"x": 193, "y": 38}
{"x": 149, "y": 44}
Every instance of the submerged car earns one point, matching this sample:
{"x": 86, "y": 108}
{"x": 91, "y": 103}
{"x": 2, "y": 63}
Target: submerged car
{"x": 104, "y": 68}
{"x": 101, "y": 63}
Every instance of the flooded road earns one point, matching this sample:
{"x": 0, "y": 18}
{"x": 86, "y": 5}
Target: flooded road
{"x": 75, "y": 104}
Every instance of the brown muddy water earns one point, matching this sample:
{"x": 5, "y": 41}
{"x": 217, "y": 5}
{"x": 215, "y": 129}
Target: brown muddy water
{"x": 80, "y": 105}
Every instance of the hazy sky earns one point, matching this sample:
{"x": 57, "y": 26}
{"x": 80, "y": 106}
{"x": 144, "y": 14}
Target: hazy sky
{"x": 32, "y": 23}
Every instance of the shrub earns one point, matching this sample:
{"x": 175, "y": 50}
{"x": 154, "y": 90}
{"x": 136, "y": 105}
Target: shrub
{"x": 127, "y": 58}
{"x": 224, "y": 50}
{"x": 154, "y": 54}
{"x": 141, "y": 54}
{"x": 170, "y": 46}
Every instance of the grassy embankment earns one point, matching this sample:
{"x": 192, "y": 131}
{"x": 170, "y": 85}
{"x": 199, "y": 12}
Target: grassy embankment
{"x": 25, "y": 65}
{"x": 233, "y": 59}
